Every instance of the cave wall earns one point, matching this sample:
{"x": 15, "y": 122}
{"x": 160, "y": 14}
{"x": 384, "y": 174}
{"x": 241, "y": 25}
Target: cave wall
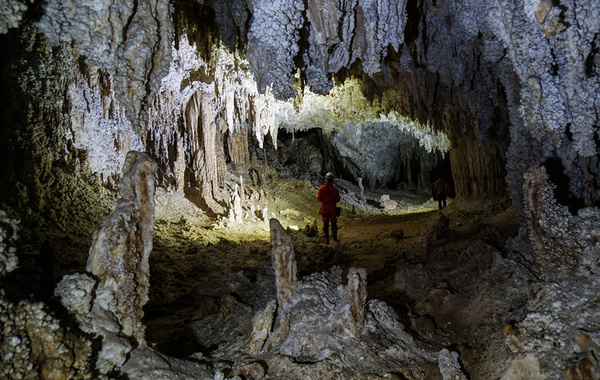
{"x": 383, "y": 156}
{"x": 492, "y": 76}
{"x": 47, "y": 180}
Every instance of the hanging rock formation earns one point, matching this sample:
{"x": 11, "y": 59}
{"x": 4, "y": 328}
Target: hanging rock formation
{"x": 514, "y": 84}
{"x": 131, "y": 40}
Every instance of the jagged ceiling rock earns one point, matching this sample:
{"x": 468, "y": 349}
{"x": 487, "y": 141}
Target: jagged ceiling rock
{"x": 483, "y": 66}
{"x": 338, "y": 33}
{"x": 99, "y": 124}
{"x": 131, "y": 40}
{"x": 273, "y": 44}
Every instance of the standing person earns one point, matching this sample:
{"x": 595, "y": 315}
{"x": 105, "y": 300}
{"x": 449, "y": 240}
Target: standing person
{"x": 440, "y": 189}
{"x": 329, "y": 195}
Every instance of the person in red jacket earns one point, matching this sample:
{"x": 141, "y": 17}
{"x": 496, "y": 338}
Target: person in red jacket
{"x": 329, "y": 195}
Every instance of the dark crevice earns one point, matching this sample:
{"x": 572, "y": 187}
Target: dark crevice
{"x": 553, "y": 64}
{"x": 556, "y": 174}
{"x": 592, "y": 60}
{"x": 130, "y": 20}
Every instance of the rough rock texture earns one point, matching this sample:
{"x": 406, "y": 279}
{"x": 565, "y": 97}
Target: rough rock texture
{"x": 565, "y": 244}
{"x": 357, "y": 298}
{"x": 145, "y": 363}
{"x": 329, "y": 331}
{"x": 99, "y": 124}
{"x": 305, "y": 151}
{"x": 217, "y": 109}
{"x": 450, "y": 366}
{"x": 122, "y": 244}
{"x": 8, "y": 238}
{"x": 47, "y": 178}
{"x": 284, "y": 263}
{"x": 130, "y": 40}
{"x": 11, "y": 14}
{"x": 385, "y": 155}
{"x": 273, "y": 44}
{"x": 339, "y": 33}
{"x": 33, "y": 342}
{"x": 319, "y": 333}
{"x": 109, "y": 304}
{"x": 514, "y": 84}
{"x": 35, "y": 345}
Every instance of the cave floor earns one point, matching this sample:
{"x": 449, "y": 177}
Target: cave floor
{"x": 190, "y": 278}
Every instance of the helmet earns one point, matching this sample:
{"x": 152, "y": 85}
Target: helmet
{"x": 329, "y": 175}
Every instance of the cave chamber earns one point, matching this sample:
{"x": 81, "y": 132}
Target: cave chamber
{"x": 160, "y": 163}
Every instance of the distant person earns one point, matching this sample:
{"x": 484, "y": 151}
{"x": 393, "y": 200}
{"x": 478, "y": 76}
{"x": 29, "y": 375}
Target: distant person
{"x": 329, "y": 195}
{"x": 440, "y": 190}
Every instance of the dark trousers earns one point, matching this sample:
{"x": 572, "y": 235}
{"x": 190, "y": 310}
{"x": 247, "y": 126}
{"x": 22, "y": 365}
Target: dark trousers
{"x": 441, "y": 200}
{"x": 334, "y": 229}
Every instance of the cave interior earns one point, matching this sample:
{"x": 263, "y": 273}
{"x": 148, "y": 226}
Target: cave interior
{"x": 161, "y": 161}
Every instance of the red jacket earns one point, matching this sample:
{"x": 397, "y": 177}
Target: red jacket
{"x": 328, "y": 194}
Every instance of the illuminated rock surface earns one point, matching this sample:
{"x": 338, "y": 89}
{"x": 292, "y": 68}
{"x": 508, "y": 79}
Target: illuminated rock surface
{"x": 244, "y": 105}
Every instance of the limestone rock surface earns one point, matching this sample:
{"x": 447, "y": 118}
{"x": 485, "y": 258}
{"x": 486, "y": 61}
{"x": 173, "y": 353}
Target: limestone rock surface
{"x": 122, "y": 244}
{"x": 130, "y": 40}
{"x": 11, "y": 14}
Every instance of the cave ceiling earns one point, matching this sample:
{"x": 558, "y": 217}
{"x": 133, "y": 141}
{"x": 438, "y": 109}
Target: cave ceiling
{"x": 523, "y": 74}
{"x": 516, "y": 80}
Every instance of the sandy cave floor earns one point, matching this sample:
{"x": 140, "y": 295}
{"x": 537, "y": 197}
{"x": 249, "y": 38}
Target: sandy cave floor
{"x": 198, "y": 262}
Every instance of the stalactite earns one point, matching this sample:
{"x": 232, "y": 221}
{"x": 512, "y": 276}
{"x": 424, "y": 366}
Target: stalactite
{"x": 99, "y": 124}
{"x": 208, "y": 156}
{"x": 222, "y": 112}
{"x": 131, "y": 41}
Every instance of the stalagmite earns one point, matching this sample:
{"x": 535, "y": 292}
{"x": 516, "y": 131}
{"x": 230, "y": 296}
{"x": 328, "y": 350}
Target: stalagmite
{"x": 122, "y": 244}
{"x": 262, "y": 322}
{"x": 357, "y": 297}
{"x": 108, "y": 300}
{"x": 284, "y": 263}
